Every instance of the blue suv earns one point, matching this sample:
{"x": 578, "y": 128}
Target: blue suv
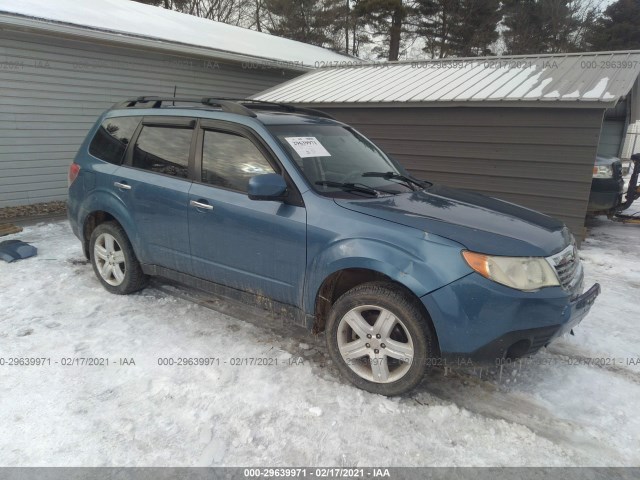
{"x": 290, "y": 209}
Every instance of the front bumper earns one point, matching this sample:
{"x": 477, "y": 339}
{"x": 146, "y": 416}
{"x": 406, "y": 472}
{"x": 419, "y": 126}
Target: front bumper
{"x": 603, "y": 201}
{"x": 480, "y": 322}
{"x": 606, "y": 194}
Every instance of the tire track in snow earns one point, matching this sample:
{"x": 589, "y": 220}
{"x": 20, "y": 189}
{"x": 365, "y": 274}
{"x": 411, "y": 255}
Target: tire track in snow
{"x": 465, "y": 390}
{"x": 586, "y": 358}
{"x": 485, "y": 398}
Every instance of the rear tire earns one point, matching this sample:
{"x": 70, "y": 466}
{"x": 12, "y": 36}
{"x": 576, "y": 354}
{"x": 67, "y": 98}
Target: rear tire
{"x": 114, "y": 261}
{"x": 379, "y": 339}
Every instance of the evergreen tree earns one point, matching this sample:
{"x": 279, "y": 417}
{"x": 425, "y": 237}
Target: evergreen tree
{"x": 386, "y": 18}
{"x": 477, "y": 28}
{"x": 309, "y": 21}
{"x": 524, "y": 22}
{"x": 618, "y": 28}
{"x": 436, "y": 19}
{"x": 461, "y": 28}
{"x": 545, "y": 26}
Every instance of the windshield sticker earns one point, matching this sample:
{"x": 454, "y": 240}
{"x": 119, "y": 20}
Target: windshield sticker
{"x": 307, "y": 147}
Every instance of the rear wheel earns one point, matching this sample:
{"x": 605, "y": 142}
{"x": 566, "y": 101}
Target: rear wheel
{"x": 379, "y": 338}
{"x": 114, "y": 262}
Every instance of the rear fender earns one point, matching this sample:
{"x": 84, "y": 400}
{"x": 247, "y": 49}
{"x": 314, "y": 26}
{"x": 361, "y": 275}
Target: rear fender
{"x": 106, "y": 201}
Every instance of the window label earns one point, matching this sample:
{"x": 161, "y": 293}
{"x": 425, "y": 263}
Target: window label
{"x": 307, "y": 147}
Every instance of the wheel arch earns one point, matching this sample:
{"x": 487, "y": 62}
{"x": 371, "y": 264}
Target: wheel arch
{"x": 99, "y": 211}
{"x": 341, "y": 281}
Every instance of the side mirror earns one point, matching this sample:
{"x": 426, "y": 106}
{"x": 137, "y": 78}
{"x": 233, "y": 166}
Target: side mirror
{"x": 269, "y": 186}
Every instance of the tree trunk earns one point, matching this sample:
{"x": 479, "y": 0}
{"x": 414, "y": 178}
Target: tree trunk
{"x": 394, "y": 34}
{"x": 443, "y": 37}
{"x": 258, "y": 25}
{"x": 346, "y": 27}
{"x": 354, "y": 46}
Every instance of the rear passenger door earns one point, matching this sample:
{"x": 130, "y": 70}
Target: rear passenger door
{"x": 154, "y": 184}
{"x": 255, "y": 246}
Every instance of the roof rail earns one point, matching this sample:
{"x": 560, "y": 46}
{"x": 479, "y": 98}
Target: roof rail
{"x": 240, "y": 106}
{"x": 261, "y": 104}
{"x": 224, "y": 104}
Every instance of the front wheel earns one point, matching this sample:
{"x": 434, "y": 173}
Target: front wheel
{"x": 379, "y": 339}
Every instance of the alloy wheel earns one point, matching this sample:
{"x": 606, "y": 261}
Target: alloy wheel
{"x": 375, "y": 344}
{"x": 109, "y": 259}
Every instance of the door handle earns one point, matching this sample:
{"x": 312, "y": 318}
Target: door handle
{"x": 204, "y": 206}
{"x": 122, "y": 186}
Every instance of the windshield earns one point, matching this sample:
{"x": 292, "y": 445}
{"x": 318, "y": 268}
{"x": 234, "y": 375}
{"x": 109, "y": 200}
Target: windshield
{"x": 338, "y": 161}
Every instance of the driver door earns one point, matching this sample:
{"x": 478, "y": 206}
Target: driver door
{"x": 255, "y": 246}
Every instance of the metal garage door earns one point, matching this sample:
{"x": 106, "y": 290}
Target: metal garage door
{"x": 611, "y": 137}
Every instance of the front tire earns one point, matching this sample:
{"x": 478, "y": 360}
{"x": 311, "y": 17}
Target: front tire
{"x": 113, "y": 260}
{"x": 379, "y": 338}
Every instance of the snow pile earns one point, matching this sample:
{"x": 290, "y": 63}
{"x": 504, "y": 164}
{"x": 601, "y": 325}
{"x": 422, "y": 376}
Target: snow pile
{"x": 296, "y": 412}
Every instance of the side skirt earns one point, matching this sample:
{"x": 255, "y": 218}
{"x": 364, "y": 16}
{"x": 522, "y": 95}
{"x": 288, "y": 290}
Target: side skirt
{"x": 288, "y": 313}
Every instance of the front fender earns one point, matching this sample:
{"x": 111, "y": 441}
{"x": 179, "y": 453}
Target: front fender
{"x": 106, "y": 201}
{"x": 423, "y": 270}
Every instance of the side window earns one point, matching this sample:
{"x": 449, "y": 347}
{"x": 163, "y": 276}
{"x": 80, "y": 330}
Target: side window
{"x": 163, "y": 150}
{"x": 111, "y": 140}
{"x": 230, "y": 160}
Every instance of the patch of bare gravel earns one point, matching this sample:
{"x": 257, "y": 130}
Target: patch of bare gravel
{"x": 36, "y": 209}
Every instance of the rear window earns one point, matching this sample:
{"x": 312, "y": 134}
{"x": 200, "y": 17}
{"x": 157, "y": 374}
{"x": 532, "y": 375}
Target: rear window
{"x": 111, "y": 140}
{"x": 163, "y": 150}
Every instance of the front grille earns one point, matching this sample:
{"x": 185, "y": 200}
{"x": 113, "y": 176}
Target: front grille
{"x": 566, "y": 271}
{"x": 567, "y": 266}
{"x": 617, "y": 169}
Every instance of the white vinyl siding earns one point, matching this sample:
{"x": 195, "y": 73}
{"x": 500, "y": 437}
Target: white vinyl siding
{"x": 52, "y": 90}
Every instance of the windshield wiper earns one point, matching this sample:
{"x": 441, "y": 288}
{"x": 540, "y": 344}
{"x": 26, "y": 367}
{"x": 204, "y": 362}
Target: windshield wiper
{"x": 349, "y": 187}
{"x": 408, "y": 181}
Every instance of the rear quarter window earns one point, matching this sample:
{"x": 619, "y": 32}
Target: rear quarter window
{"x": 112, "y": 138}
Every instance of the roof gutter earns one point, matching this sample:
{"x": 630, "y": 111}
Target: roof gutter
{"x": 22, "y": 23}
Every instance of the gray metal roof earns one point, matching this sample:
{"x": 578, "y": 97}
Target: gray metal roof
{"x": 587, "y": 79}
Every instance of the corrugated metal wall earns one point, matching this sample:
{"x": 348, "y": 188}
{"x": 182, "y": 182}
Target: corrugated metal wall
{"x": 53, "y": 89}
{"x": 541, "y": 158}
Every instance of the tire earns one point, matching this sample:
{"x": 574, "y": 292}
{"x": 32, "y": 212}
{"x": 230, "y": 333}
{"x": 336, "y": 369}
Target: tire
{"x": 372, "y": 320}
{"x": 113, "y": 260}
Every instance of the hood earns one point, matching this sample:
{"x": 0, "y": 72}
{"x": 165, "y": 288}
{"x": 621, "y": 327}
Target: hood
{"x": 480, "y": 223}
{"x": 606, "y": 160}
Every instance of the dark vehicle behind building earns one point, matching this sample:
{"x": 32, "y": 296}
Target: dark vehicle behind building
{"x": 607, "y": 186}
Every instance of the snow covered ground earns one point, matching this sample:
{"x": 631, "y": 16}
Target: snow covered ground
{"x": 554, "y": 410}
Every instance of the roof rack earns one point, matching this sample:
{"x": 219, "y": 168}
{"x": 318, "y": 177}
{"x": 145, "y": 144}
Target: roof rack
{"x": 223, "y": 104}
{"x": 264, "y": 105}
{"x": 240, "y": 106}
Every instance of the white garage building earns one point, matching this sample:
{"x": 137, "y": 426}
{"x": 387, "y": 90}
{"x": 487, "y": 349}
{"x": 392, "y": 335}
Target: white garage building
{"x": 62, "y": 63}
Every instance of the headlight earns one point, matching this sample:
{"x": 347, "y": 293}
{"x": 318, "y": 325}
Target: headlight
{"x": 603, "y": 171}
{"x": 522, "y": 273}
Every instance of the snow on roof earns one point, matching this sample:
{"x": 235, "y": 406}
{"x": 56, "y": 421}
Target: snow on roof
{"x": 128, "y": 18}
{"x": 566, "y": 79}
